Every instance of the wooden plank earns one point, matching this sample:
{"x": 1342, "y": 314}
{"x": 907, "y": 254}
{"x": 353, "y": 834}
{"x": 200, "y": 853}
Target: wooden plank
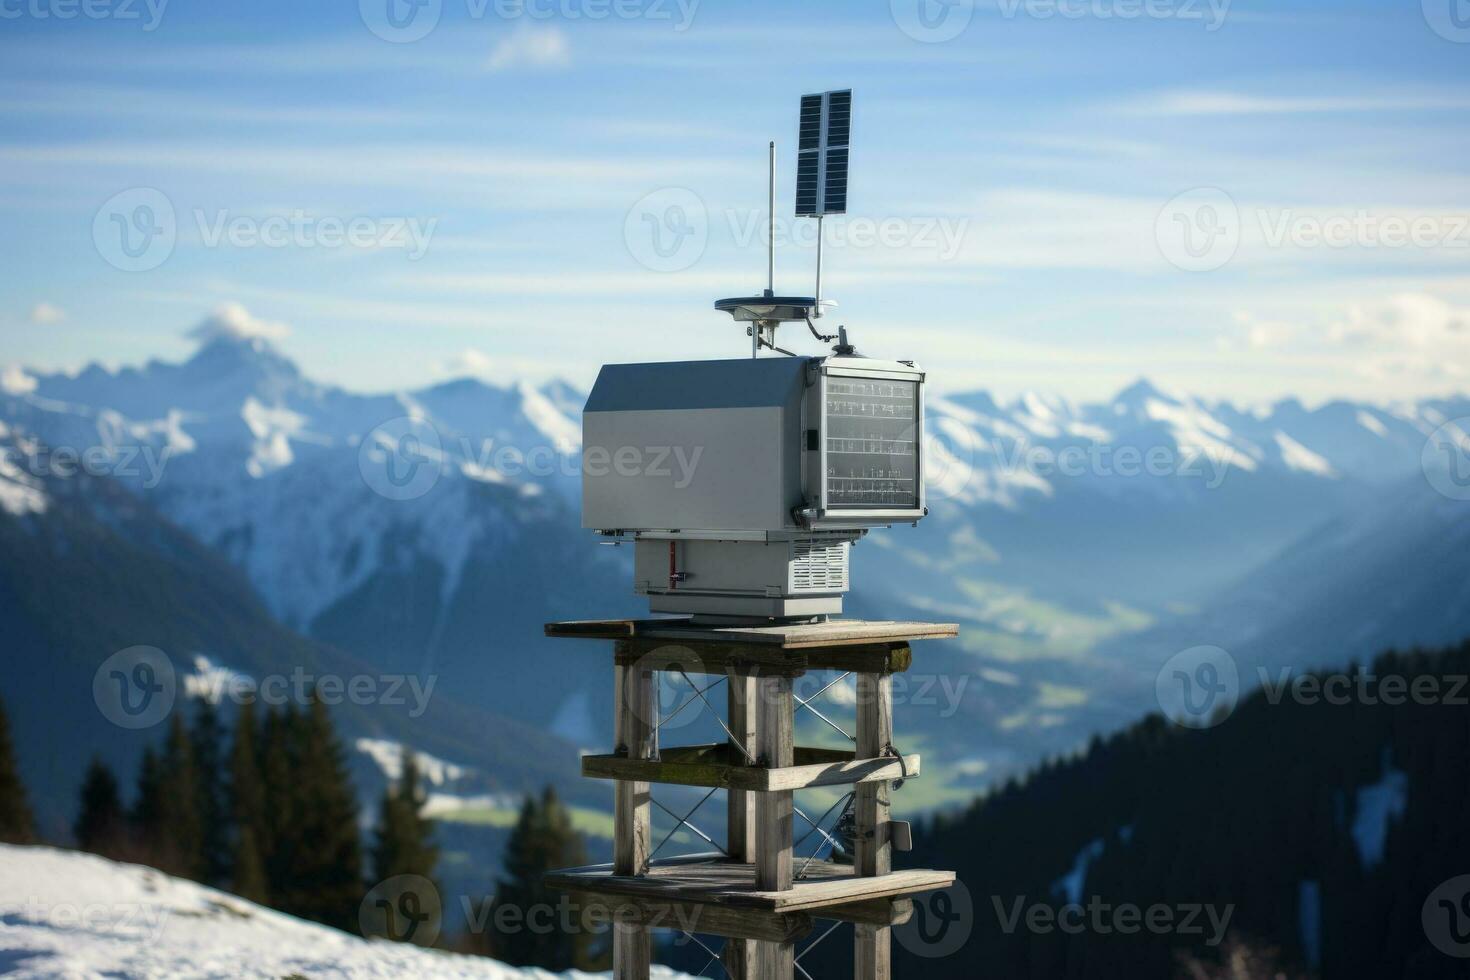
{"x": 873, "y": 912}
{"x": 776, "y": 724}
{"x": 739, "y": 803}
{"x": 883, "y": 658}
{"x": 786, "y": 636}
{"x": 702, "y": 880}
{"x": 705, "y": 657}
{"x": 632, "y": 811}
{"x": 873, "y": 944}
{"x": 718, "y": 767}
{"x": 706, "y": 919}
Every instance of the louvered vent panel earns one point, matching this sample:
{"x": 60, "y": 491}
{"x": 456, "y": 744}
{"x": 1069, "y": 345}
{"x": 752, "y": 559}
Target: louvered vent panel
{"x": 819, "y": 567}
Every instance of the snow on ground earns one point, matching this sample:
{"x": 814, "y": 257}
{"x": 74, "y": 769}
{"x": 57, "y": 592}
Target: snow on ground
{"x": 64, "y": 914}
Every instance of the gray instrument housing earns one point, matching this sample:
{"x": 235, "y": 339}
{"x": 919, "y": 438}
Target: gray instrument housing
{"x": 728, "y": 477}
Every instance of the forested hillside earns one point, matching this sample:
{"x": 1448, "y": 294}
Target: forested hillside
{"x": 1317, "y": 824}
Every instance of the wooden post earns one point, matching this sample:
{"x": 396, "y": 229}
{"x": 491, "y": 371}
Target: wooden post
{"x": 873, "y": 944}
{"x": 739, "y": 955}
{"x": 740, "y": 805}
{"x": 776, "y": 728}
{"x": 632, "y": 810}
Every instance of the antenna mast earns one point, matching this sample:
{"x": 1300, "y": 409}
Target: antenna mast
{"x": 821, "y": 189}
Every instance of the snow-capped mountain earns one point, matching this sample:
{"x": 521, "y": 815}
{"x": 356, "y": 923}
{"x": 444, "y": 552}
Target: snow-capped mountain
{"x": 67, "y": 914}
{"x": 434, "y": 531}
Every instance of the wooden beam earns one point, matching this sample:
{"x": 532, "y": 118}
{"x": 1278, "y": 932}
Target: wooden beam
{"x": 718, "y": 766}
{"x": 872, "y": 953}
{"x": 878, "y": 658}
{"x": 632, "y": 952}
{"x": 709, "y": 881}
{"x": 705, "y": 657}
{"x": 774, "y": 813}
{"x": 785, "y": 636}
{"x": 713, "y": 920}
{"x": 872, "y": 912}
{"x": 776, "y": 723}
{"x": 740, "y": 803}
{"x": 872, "y": 949}
{"x": 632, "y": 811}
{"x": 740, "y": 959}
{"x": 775, "y": 961}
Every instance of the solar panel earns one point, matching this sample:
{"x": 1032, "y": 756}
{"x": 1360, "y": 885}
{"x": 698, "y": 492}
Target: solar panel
{"x": 821, "y": 153}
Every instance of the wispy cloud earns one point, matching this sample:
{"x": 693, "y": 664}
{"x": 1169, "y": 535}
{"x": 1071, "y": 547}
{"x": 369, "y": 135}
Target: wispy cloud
{"x": 1220, "y": 103}
{"x": 47, "y": 313}
{"x": 233, "y": 322}
{"x": 531, "y": 47}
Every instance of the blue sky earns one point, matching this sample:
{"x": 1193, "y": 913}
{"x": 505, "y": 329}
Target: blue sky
{"x": 1055, "y": 199}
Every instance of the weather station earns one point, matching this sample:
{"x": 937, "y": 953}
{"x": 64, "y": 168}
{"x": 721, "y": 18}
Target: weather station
{"x": 744, "y": 552}
{"x": 791, "y": 459}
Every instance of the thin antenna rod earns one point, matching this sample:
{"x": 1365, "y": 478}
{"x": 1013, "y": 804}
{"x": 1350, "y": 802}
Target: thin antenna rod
{"x": 771, "y": 237}
{"x": 817, "y": 309}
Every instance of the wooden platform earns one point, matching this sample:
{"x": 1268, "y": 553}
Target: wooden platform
{"x": 791, "y": 649}
{"x": 725, "y": 883}
{"x": 793, "y": 636}
{"x": 719, "y": 765}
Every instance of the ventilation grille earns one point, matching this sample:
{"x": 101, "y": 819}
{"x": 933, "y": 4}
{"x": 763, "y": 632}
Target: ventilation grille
{"x": 819, "y": 567}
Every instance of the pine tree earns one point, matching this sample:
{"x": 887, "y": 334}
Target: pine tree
{"x": 208, "y": 740}
{"x": 246, "y": 804}
{"x": 102, "y": 823}
{"x": 278, "y": 764}
{"x": 180, "y": 820}
{"x": 403, "y": 837}
{"x": 543, "y": 840}
{"x": 146, "y": 816}
{"x": 17, "y": 825}
{"x": 325, "y": 878}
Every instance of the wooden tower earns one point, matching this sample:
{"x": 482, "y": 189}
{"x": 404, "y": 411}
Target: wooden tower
{"x": 754, "y": 892}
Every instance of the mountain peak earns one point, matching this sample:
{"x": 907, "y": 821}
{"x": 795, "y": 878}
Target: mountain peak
{"x": 1139, "y": 392}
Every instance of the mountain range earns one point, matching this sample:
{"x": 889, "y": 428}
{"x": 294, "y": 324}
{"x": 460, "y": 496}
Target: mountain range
{"x": 433, "y": 532}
